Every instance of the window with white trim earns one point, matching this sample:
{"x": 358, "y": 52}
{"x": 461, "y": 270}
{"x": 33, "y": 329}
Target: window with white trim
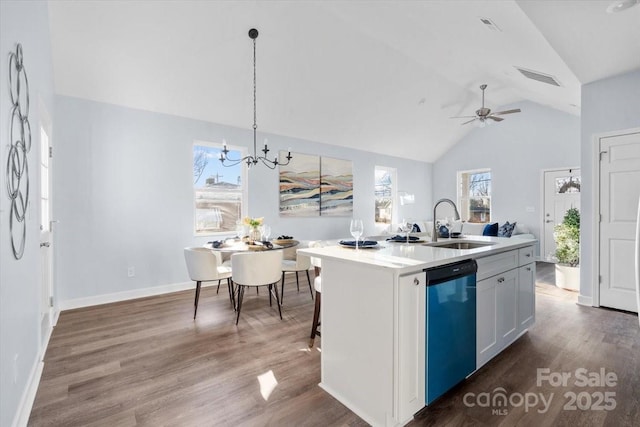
{"x": 385, "y": 194}
{"x": 219, "y": 192}
{"x": 474, "y": 195}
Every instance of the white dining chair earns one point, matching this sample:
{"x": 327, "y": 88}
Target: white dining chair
{"x": 259, "y": 268}
{"x": 204, "y": 265}
{"x": 300, "y": 264}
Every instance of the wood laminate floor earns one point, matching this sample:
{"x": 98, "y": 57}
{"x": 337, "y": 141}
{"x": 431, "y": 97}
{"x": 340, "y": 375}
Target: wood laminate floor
{"x": 146, "y": 362}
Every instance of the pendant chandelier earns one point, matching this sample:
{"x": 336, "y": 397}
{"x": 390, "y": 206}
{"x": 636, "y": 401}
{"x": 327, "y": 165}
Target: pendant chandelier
{"x": 253, "y": 159}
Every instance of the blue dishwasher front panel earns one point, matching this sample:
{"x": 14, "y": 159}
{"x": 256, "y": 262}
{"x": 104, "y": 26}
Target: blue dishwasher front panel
{"x": 450, "y": 329}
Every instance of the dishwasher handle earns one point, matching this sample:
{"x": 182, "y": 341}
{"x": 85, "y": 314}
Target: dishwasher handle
{"x": 452, "y": 271}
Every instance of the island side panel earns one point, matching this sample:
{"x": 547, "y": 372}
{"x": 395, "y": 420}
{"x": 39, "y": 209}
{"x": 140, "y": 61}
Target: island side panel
{"x": 357, "y": 338}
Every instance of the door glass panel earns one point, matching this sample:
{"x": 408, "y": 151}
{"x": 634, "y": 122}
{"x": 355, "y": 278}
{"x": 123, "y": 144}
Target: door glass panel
{"x": 568, "y": 184}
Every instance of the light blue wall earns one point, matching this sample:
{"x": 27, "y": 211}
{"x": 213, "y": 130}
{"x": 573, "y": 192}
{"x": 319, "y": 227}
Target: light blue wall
{"x": 25, "y": 22}
{"x": 607, "y": 105}
{"x": 123, "y": 194}
{"x": 516, "y": 150}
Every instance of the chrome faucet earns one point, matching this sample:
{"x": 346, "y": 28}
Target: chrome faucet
{"x": 434, "y": 235}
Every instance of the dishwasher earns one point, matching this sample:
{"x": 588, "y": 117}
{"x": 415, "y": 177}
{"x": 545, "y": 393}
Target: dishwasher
{"x": 450, "y": 326}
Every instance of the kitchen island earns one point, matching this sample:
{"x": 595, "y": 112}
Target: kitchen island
{"x": 373, "y": 317}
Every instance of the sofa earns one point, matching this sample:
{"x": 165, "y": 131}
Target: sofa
{"x": 466, "y": 228}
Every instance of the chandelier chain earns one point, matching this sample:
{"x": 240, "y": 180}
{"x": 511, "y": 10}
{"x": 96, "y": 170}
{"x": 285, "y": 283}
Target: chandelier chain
{"x": 253, "y": 159}
{"x": 255, "y": 122}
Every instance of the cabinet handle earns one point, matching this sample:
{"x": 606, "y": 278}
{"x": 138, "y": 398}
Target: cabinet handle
{"x": 528, "y": 255}
{"x": 416, "y": 281}
{"x": 528, "y": 268}
{"x": 501, "y": 279}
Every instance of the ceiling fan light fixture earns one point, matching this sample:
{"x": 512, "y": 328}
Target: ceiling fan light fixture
{"x": 620, "y": 5}
{"x": 484, "y": 116}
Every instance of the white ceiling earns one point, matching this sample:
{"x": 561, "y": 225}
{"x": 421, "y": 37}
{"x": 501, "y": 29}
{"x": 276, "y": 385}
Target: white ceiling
{"x": 382, "y": 76}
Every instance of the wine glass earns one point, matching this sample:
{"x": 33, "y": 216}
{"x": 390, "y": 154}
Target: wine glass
{"x": 448, "y": 223}
{"x": 356, "y": 228}
{"x": 240, "y": 229}
{"x": 266, "y": 232}
{"x": 406, "y": 226}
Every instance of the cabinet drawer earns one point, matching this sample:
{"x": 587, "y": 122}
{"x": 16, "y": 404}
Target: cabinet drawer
{"x": 495, "y": 264}
{"x": 525, "y": 255}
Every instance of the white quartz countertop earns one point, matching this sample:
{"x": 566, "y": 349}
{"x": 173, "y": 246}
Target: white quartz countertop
{"x": 410, "y": 257}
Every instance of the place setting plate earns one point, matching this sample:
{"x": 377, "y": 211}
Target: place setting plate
{"x": 403, "y": 239}
{"x": 362, "y": 244}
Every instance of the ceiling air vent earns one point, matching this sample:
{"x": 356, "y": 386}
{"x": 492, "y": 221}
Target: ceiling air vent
{"x": 534, "y": 75}
{"x": 489, "y": 24}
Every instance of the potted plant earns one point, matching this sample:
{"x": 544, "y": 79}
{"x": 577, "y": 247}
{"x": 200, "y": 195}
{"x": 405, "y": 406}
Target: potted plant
{"x": 567, "y": 238}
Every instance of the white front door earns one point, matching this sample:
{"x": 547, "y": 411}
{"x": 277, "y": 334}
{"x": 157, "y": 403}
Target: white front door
{"x": 46, "y": 262}
{"x": 619, "y": 192}
{"x": 561, "y": 193}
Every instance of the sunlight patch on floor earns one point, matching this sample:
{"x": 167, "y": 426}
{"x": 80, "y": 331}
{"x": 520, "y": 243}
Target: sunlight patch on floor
{"x": 268, "y": 383}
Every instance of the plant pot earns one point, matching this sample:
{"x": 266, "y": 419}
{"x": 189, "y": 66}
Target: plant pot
{"x": 568, "y": 277}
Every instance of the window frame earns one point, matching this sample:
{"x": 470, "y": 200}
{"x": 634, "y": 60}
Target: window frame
{"x": 394, "y": 194}
{"x": 463, "y": 197}
{"x": 243, "y": 177}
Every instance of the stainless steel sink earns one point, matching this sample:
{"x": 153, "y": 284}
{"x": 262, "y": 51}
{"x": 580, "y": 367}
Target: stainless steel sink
{"x": 465, "y": 244}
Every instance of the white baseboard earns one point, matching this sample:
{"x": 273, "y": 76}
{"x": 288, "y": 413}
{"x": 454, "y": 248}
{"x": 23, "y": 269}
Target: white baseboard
{"x": 127, "y": 295}
{"x": 586, "y": 301}
{"x": 21, "y": 417}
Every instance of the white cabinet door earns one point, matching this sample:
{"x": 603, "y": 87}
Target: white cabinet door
{"x": 526, "y": 296}
{"x": 486, "y": 321}
{"x": 411, "y": 344}
{"x": 496, "y": 314}
{"x": 507, "y": 304}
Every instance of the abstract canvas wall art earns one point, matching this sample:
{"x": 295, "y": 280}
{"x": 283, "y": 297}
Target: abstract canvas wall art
{"x": 336, "y": 187}
{"x": 300, "y": 186}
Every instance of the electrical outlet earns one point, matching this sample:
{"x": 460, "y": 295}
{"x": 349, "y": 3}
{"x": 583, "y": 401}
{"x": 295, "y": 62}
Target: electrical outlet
{"x": 15, "y": 368}
{"x": 131, "y": 272}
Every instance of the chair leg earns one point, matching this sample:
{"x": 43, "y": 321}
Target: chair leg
{"x": 218, "y": 289}
{"x": 282, "y": 288}
{"x": 270, "y": 291}
{"x": 195, "y": 303}
{"x": 240, "y": 296}
{"x": 316, "y": 316}
{"x": 309, "y": 280}
{"x": 297, "y": 282}
{"x": 231, "y": 292}
{"x": 278, "y": 300}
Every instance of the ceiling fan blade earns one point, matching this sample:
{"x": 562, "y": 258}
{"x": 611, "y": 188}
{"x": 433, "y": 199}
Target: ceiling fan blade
{"x": 462, "y": 117}
{"x": 467, "y": 122}
{"x": 497, "y": 119}
{"x": 517, "y": 110}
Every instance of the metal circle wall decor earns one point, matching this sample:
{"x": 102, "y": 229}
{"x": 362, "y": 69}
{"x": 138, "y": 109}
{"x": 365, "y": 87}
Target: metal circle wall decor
{"x": 17, "y": 176}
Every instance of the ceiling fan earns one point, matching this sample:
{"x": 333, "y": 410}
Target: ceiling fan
{"x": 485, "y": 113}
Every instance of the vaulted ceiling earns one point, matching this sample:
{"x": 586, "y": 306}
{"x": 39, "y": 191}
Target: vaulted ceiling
{"x": 382, "y": 76}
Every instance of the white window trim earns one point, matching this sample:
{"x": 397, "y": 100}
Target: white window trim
{"x": 245, "y": 186}
{"x": 464, "y": 213}
{"x": 394, "y": 192}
